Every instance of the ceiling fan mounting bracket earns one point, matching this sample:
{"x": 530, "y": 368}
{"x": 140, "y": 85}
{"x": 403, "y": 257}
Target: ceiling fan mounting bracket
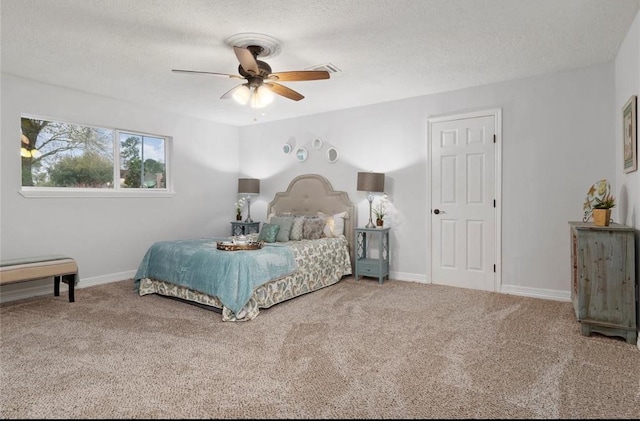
{"x": 271, "y": 47}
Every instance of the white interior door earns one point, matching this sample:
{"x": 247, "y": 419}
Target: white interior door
{"x": 463, "y": 200}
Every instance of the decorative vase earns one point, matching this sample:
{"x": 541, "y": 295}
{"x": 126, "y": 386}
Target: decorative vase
{"x": 601, "y": 217}
{"x": 239, "y": 217}
{"x": 379, "y": 222}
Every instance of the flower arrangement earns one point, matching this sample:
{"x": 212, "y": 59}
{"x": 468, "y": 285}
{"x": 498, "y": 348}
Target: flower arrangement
{"x": 380, "y": 210}
{"x": 239, "y": 206}
{"x": 607, "y": 202}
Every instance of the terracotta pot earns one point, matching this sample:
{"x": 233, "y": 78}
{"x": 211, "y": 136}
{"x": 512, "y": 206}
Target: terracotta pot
{"x": 601, "y": 217}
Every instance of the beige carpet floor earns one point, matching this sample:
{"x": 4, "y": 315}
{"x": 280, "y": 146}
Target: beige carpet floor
{"x": 352, "y": 350}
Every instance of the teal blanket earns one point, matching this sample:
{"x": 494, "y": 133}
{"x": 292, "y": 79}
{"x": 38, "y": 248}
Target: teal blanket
{"x": 229, "y": 275}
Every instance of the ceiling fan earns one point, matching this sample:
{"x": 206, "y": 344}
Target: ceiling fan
{"x": 261, "y": 83}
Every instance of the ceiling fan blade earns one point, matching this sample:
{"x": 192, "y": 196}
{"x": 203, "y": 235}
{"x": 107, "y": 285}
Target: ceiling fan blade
{"x": 299, "y": 75}
{"x": 207, "y": 73}
{"x": 247, "y": 61}
{"x": 276, "y": 88}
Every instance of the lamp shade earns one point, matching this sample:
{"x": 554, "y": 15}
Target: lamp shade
{"x": 371, "y": 181}
{"x": 248, "y": 185}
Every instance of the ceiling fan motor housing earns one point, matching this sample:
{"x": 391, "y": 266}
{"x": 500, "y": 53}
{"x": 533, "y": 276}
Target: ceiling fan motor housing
{"x": 265, "y": 70}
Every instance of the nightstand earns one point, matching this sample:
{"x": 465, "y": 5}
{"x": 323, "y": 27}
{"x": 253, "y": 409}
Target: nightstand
{"x": 367, "y": 266}
{"x": 244, "y": 228}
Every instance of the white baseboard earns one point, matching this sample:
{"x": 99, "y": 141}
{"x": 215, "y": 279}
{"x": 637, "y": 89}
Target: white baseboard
{"x": 547, "y": 294}
{"x": 411, "y": 277}
{"x": 19, "y": 291}
{"x": 45, "y": 287}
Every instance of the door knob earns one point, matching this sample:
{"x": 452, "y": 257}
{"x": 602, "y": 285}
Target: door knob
{"x": 437, "y": 211}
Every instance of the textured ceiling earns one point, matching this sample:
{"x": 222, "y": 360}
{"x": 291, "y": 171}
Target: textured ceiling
{"x": 386, "y": 49}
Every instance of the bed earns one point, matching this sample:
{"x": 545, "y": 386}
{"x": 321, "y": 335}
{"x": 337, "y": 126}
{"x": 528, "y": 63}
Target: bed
{"x": 240, "y": 283}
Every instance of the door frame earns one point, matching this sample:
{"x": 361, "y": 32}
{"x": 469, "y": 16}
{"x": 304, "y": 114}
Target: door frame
{"x": 497, "y": 114}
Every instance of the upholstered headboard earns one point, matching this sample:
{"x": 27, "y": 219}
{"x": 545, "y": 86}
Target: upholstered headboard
{"x": 309, "y": 194}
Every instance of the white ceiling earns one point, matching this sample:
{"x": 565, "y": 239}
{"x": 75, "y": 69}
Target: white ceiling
{"x": 386, "y": 49}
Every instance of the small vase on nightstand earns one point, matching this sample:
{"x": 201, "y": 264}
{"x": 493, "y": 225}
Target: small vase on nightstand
{"x": 379, "y": 222}
{"x": 239, "y": 217}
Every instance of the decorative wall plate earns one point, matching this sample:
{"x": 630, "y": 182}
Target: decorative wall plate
{"x": 286, "y": 148}
{"x": 301, "y": 154}
{"x": 317, "y": 143}
{"x": 596, "y": 193}
{"x": 332, "y": 155}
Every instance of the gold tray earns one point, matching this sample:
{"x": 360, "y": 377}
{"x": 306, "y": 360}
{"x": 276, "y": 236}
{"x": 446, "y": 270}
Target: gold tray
{"x": 229, "y": 246}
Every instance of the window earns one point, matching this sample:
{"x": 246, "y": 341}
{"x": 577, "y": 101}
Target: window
{"x": 59, "y": 157}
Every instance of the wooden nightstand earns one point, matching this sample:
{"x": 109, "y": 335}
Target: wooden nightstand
{"x": 603, "y": 284}
{"x": 244, "y": 228}
{"x": 374, "y": 267}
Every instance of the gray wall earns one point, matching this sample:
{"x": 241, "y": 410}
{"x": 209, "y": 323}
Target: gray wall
{"x": 560, "y": 135}
{"x": 108, "y": 236}
{"x": 627, "y": 70}
{"x": 557, "y": 141}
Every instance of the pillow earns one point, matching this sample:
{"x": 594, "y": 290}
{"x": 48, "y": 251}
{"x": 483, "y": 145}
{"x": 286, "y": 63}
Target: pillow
{"x": 296, "y": 228}
{"x": 269, "y": 233}
{"x": 284, "y": 222}
{"x": 334, "y": 227}
{"x": 312, "y": 229}
{"x": 272, "y": 214}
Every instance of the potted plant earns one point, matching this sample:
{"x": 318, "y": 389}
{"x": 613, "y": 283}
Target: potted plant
{"x": 380, "y": 211}
{"x": 239, "y": 205}
{"x": 602, "y": 210}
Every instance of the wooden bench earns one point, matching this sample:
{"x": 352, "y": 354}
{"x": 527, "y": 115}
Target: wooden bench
{"x": 61, "y": 268}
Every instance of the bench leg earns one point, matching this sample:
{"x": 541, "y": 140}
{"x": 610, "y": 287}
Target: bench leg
{"x": 56, "y": 285}
{"x": 70, "y": 280}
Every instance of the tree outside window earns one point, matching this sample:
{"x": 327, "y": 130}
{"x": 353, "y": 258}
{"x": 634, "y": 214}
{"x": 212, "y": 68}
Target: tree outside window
{"x": 57, "y": 154}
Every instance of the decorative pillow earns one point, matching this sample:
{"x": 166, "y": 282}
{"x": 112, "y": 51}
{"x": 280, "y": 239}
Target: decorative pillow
{"x": 334, "y": 226}
{"x": 272, "y": 214}
{"x": 312, "y": 229}
{"x": 284, "y": 222}
{"x": 296, "y": 228}
{"x": 269, "y": 233}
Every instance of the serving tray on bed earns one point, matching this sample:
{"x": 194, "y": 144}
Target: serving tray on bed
{"x": 229, "y": 246}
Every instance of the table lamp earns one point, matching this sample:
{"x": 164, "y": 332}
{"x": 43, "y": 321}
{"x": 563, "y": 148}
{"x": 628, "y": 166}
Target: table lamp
{"x": 371, "y": 182}
{"x": 248, "y": 187}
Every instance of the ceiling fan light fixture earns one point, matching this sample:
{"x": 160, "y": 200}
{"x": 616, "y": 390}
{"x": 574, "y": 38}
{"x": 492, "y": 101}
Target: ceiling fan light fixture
{"x": 242, "y": 94}
{"x": 262, "y": 96}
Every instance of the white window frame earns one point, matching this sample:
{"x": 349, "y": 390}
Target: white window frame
{"x": 116, "y": 191}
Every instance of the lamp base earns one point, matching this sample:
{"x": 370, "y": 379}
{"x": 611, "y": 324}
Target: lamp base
{"x": 370, "y": 224}
{"x": 248, "y": 210}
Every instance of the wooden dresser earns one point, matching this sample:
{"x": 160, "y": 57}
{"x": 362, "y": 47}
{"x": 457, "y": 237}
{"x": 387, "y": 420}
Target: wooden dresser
{"x": 604, "y": 290}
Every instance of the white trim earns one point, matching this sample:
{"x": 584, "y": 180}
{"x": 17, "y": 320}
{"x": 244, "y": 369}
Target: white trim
{"x": 40, "y": 192}
{"x": 497, "y": 114}
{"x": 543, "y": 294}
{"x": 41, "y": 289}
{"x": 547, "y": 294}
{"x": 47, "y": 289}
{"x": 410, "y": 277}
